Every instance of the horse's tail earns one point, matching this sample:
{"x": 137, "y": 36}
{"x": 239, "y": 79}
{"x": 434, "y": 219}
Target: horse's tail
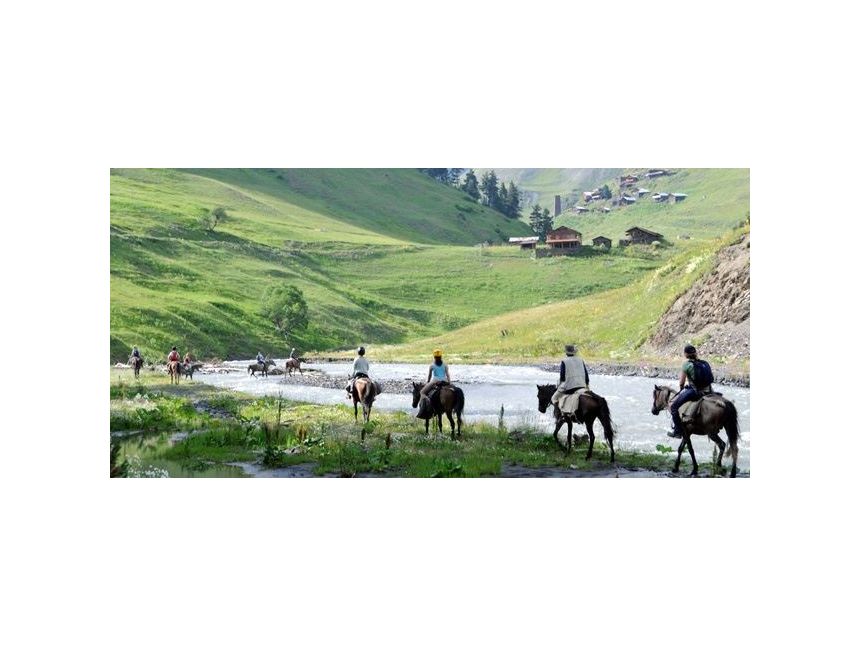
{"x": 730, "y": 423}
{"x": 606, "y": 421}
{"x": 459, "y": 401}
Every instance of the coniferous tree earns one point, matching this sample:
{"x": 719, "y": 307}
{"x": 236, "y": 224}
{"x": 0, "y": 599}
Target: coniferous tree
{"x": 536, "y": 222}
{"x": 470, "y": 185}
{"x": 514, "y": 202}
{"x": 454, "y": 176}
{"x": 503, "y": 199}
{"x": 490, "y": 189}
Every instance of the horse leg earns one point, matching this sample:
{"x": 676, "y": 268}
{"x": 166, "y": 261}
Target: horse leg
{"x": 692, "y": 456}
{"x": 459, "y": 425}
{"x": 355, "y": 409}
{"x": 558, "y": 424}
{"x": 451, "y": 421}
{"x": 427, "y": 426}
{"x": 569, "y": 435}
{"x": 715, "y": 437}
{"x": 681, "y": 448}
{"x": 589, "y": 426}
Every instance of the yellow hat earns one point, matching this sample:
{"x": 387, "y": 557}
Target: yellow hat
{"x": 437, "y": 352}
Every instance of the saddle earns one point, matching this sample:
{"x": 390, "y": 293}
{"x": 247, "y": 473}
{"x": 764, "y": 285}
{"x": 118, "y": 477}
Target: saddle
{"x": 690, "y": 411}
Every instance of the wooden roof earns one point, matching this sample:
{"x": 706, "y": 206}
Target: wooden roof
{"x": 563, "y": 231}
{"x": 601, "y": 238}
{"x": 650, "y": 233}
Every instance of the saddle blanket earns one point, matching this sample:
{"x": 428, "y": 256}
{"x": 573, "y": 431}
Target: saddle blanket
{"x": 567, "y": 404}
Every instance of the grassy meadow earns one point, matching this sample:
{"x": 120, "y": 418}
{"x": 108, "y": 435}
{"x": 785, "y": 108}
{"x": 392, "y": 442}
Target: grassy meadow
{"x": 391, "y": 259}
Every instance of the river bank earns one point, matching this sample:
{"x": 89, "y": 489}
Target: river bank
{"x": 194, "y": 429}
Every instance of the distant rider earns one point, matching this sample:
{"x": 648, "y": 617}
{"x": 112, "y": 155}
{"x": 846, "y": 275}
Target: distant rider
{"x": 135, "y": 354}
{"x": 260, "y": 358}
{"x": 188, "y": 358}
{"x": 437, "y": 374}
{"x": 572, "y": 374}
{"x": 174, "y": 354}
{"x": 293, "y": 353}
{"x": 688, "y": 388}
{"x": 360, "y": 368}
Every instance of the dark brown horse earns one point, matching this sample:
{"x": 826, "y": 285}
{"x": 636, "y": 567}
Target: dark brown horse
{"x": 591, "y": 407}
{"x": 447, "y": 399}
{"x": 364, "y": 391}
{"x": 714, "y": 413}
{"x": 136, "y": 364}
{"x": 174, "y": 369}
{"x": 188, "y": 369}
{"x": 293, "y": 364}
{"x": 255, "y": 367}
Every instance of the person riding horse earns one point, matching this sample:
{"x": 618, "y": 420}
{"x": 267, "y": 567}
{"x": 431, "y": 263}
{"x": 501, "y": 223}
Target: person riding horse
{"x": 135, "y": 353}
{"x": 292, "y": 353}
{"x": 174, "y": 355}
{"x": 260, "y": 358}
{"x": 572, "y": 375}
{"x": 690, "y": 387}
{"x": 437, "y": 374}
{"x": 360, "y": 368}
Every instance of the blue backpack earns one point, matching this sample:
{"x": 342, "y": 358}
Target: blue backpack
{"x": 702, "y": 374}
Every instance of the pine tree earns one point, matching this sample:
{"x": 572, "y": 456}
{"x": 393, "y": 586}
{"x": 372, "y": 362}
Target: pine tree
{"x": 546, "y": 221}
{"x": 470, "y": 185}
{"x": 454, "y": 176}
{"x": 490, "y": 189}
{"x": 503, "y": 199}
{"x": 514, "y": 202}
{"x": 536, "y": 222}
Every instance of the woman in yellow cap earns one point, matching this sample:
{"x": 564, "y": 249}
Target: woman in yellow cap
{"x": 438, "y": 373}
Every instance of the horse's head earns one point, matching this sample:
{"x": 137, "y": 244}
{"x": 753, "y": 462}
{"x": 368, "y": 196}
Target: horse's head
{"x": 270, "y": 362}
{"x": 416, "y": 394}
{"x": 544, "y": 396}
{"x": 662, "y": 394}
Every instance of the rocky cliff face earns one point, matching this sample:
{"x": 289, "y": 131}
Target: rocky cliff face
{"x": 714, "y": 314}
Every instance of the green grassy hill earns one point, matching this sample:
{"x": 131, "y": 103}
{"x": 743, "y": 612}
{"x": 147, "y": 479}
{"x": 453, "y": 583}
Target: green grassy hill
{"x": 357, "y": 243}
{"x": 717, "y": 200}
{"x": 174, "y": 282}
{"x": 610, "y": 325}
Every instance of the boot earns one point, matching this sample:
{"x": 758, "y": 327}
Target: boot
{"x": 676, "y": 427}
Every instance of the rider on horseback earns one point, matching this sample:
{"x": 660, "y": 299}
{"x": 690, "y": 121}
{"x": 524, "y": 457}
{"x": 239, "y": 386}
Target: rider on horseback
{"x": 572, "y": 374}
{"x": 293, "y": 353}
{"x": 174, "y": 354}
{"x": 260, "y": 358}
{"x": 360, "y": 368}
{"x": 688, "y": 389}
{"x": 437, "y": 375}
{"x": 135, "y": 353}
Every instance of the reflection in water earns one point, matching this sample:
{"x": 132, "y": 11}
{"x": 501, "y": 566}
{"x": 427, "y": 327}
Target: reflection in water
{"x": 144, "y": 454}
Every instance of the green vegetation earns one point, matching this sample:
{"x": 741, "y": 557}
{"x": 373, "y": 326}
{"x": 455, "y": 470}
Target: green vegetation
{"x": 356, "y": 244}
{"x": 612, "y": 324}
{"x": 180, "y": 440}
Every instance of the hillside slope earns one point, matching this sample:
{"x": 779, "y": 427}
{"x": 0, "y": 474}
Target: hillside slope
{"x": 714, "y": 314}
{"x": 612, "y": 325}
{"x": 174, "y": 282}
{"x": 541, "y": 185}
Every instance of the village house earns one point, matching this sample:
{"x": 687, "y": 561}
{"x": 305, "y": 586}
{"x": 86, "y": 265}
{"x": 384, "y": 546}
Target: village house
{"x": 643, "y": 191}
{"x": 638, "y": 235}
{"x": 581, "y": 209}
{"x": 602, "y": 241}
{"x": 524, "y": 243}
{"x": 656, "y": 172}
{"x": 628, "y": 199}
{"x": 563, "y": 240}
{"x": 587, "y": 196}
{"x": 679, "y": 196}
{"x": 660, "y": 197}
{"x": 628, "y": 180}
{"x": 606, "y": 209}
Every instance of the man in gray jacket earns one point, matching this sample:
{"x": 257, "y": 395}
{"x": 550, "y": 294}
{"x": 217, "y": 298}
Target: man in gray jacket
{"x": 572, "y": 375}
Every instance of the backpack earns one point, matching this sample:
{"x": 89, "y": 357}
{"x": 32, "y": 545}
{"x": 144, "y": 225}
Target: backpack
{"x": 702, "y": 374}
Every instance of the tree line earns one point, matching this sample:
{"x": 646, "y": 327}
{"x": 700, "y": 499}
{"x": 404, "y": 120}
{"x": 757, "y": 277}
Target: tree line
{"x": 488, "y": 190}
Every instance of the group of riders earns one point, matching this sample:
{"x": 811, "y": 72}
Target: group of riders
{"x": 694, "y": 382}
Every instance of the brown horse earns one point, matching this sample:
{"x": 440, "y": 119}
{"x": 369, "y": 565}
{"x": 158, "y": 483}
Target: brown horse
{"x": 714, "y": 413}
{"x": 364, "y": 391}
{"x": 253, "y": 368}
{"x": 174, "y": 369}
{"x": 293, "y": 364}
{"x": 136, "y": 364}
{"x": 591, "y": 407}
{"x": 447, "y": 399}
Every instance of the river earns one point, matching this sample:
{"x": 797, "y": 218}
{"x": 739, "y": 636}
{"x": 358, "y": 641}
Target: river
{"x": 486, "y": 388}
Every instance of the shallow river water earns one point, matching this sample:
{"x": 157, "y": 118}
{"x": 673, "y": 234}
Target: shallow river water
{"x": 486, "y": 388}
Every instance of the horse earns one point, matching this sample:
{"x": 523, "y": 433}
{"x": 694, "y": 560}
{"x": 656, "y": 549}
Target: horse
{"x": 293, "y": 364}
{"x": 174, "y": 369}
{"x": 448, "y": 399}
{"x": 189, "y": 368}
{"x": 136, "y": 364}
{"x": 364, "y": 391}
{"x": 264, "y": 367}
{"x": 715, "y": 412}
{"x": 591, "y": 407}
